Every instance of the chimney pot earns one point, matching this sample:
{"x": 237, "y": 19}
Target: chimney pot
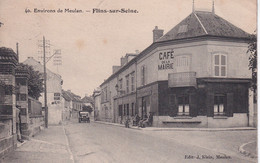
{"x": 157, "y": 33}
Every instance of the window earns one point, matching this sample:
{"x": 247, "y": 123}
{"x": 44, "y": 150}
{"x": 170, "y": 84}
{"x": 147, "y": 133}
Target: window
{"x": 127, "y": 84}
{"x": 56, "y": 96}
{"x": 133, "y": 81}
{"x": 133, "y": 109}
{"x": 219, "y": 104}
{"x": 124, "y": 109}
{"x": 182, "y": 63}
{"x": 127, "y": 109}
{"x": 143, "y": 75}
{"x": 182, "y": 29}
{"x": 183, "y": 105}
{"x": 220, "y": 65}
{"x": 120, "y": 84}
{"x": 21, "y": 97}
{"x": 120, "y": 110}
{"x": 105, "y": 94}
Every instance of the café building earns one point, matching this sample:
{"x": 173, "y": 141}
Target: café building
{"x": 195, "y": 75}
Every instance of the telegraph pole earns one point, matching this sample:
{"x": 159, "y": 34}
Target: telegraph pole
{"x": 45, "y": 85}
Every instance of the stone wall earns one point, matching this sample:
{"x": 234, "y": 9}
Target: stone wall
{"x": 8, "y": 63}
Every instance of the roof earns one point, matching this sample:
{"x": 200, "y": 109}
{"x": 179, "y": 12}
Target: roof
{"x": 8, "y": 55}
{"x": 69, "y": 96}
{"x": 201, "y": 23}
{"x": 66, "y": 96}
{"x": 87, "y": 99}
{"x": 39, "y": 67}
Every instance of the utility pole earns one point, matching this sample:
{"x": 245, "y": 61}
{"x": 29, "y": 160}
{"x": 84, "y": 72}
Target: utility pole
{"x": 45, "y": 44}
{"x": 17, "y": 51}
{"x": 45, "y": 85}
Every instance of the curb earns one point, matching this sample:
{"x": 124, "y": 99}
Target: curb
{"x": 179, "y": 129}
{"x": 118, "y": 125}
{"x": 247, "y": 153}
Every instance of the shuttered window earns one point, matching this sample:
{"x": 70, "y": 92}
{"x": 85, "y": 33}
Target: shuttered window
{"x": 120, "y": 110}
{"x": 220, "y": 65}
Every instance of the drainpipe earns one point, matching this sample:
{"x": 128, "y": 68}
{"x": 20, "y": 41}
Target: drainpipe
{"x": 136, "y": 108}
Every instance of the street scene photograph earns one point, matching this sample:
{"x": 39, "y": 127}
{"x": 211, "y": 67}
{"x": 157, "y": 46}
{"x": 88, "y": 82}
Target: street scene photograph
{"x": 102, "y": 81}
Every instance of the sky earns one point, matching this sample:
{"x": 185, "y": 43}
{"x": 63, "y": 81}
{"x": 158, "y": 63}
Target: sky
{"x": 91, "y": 43}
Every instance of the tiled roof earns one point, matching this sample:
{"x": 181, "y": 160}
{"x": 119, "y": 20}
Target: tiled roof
{"x": 198, "y": 23}
{"x": 66, "y": 96}
{"x": 69, "y": 96}
{"x": 87, "y": 99}
{"x": 201, "y": 23}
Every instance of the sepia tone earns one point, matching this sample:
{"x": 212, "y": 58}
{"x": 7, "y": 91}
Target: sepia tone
{"x": 128, "y": 81}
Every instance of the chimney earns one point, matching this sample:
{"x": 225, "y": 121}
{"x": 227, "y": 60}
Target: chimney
{"x": 115, "y": 68}
{"x": 193, "y": 8}
{"x": 123, "y": 60}
{"x": 157, "y": 33}
{"x": 17, "y": 51}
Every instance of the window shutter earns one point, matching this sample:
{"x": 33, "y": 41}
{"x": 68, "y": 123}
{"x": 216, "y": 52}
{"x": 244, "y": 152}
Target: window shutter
{"x": 230, "y": 104}
{"x": 173, "y": 105}
{"x": 210, "y": 104}
{"x": 193, "y": 105}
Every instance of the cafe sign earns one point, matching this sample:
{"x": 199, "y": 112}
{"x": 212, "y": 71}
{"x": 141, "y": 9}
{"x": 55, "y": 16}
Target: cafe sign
{"x": 166, "y": 60}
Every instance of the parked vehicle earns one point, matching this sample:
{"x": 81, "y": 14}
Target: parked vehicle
{"x": 84, "y": 116}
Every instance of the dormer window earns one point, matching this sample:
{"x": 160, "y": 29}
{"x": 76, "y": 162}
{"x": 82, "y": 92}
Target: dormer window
{"x": 182, "y": 29}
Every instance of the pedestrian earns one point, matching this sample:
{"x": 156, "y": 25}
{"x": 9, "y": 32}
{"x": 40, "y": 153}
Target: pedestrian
{"x": 141, "y": 123}
{"x": 127, "y": 122}
{"x": 18, "y": 123}
{"x": 136, "y": 120}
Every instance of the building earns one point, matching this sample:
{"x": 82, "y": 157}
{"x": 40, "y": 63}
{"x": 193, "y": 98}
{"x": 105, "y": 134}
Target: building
{"x": 97, "y": 104}
{"x": 195, "y": 75}
{"x": 89, "y": 102}
{"x": 76, "y": 103}
{"x": 66, "y": 102}
{"x": 54, "y": 88}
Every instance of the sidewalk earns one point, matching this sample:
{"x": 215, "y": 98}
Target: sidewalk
{"x": 178, "y": 129}
{"x": 50, "y": 145}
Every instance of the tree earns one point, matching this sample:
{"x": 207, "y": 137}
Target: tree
{"x": 87, "y": 108}
{"x": 35, "y": 81}
{"x": 252, "y": 49}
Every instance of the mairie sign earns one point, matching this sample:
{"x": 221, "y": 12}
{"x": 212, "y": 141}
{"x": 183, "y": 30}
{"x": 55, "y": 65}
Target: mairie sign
{"x": 166, "y": 60}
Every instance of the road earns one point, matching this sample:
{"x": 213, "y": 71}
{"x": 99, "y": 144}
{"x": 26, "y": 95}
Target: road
{"x": 94, "y": 142}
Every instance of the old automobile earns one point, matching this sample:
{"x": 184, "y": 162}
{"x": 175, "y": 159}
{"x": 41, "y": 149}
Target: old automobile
{"x": 83, "y": 116}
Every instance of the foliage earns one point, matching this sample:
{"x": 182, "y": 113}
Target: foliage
{"x": 35, "y": 81}
{"x": 87, "y": 108}
{"x": 252, "y": 49}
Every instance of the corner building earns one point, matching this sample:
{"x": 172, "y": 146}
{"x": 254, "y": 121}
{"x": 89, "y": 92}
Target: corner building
{"x": 196, "y": 75}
